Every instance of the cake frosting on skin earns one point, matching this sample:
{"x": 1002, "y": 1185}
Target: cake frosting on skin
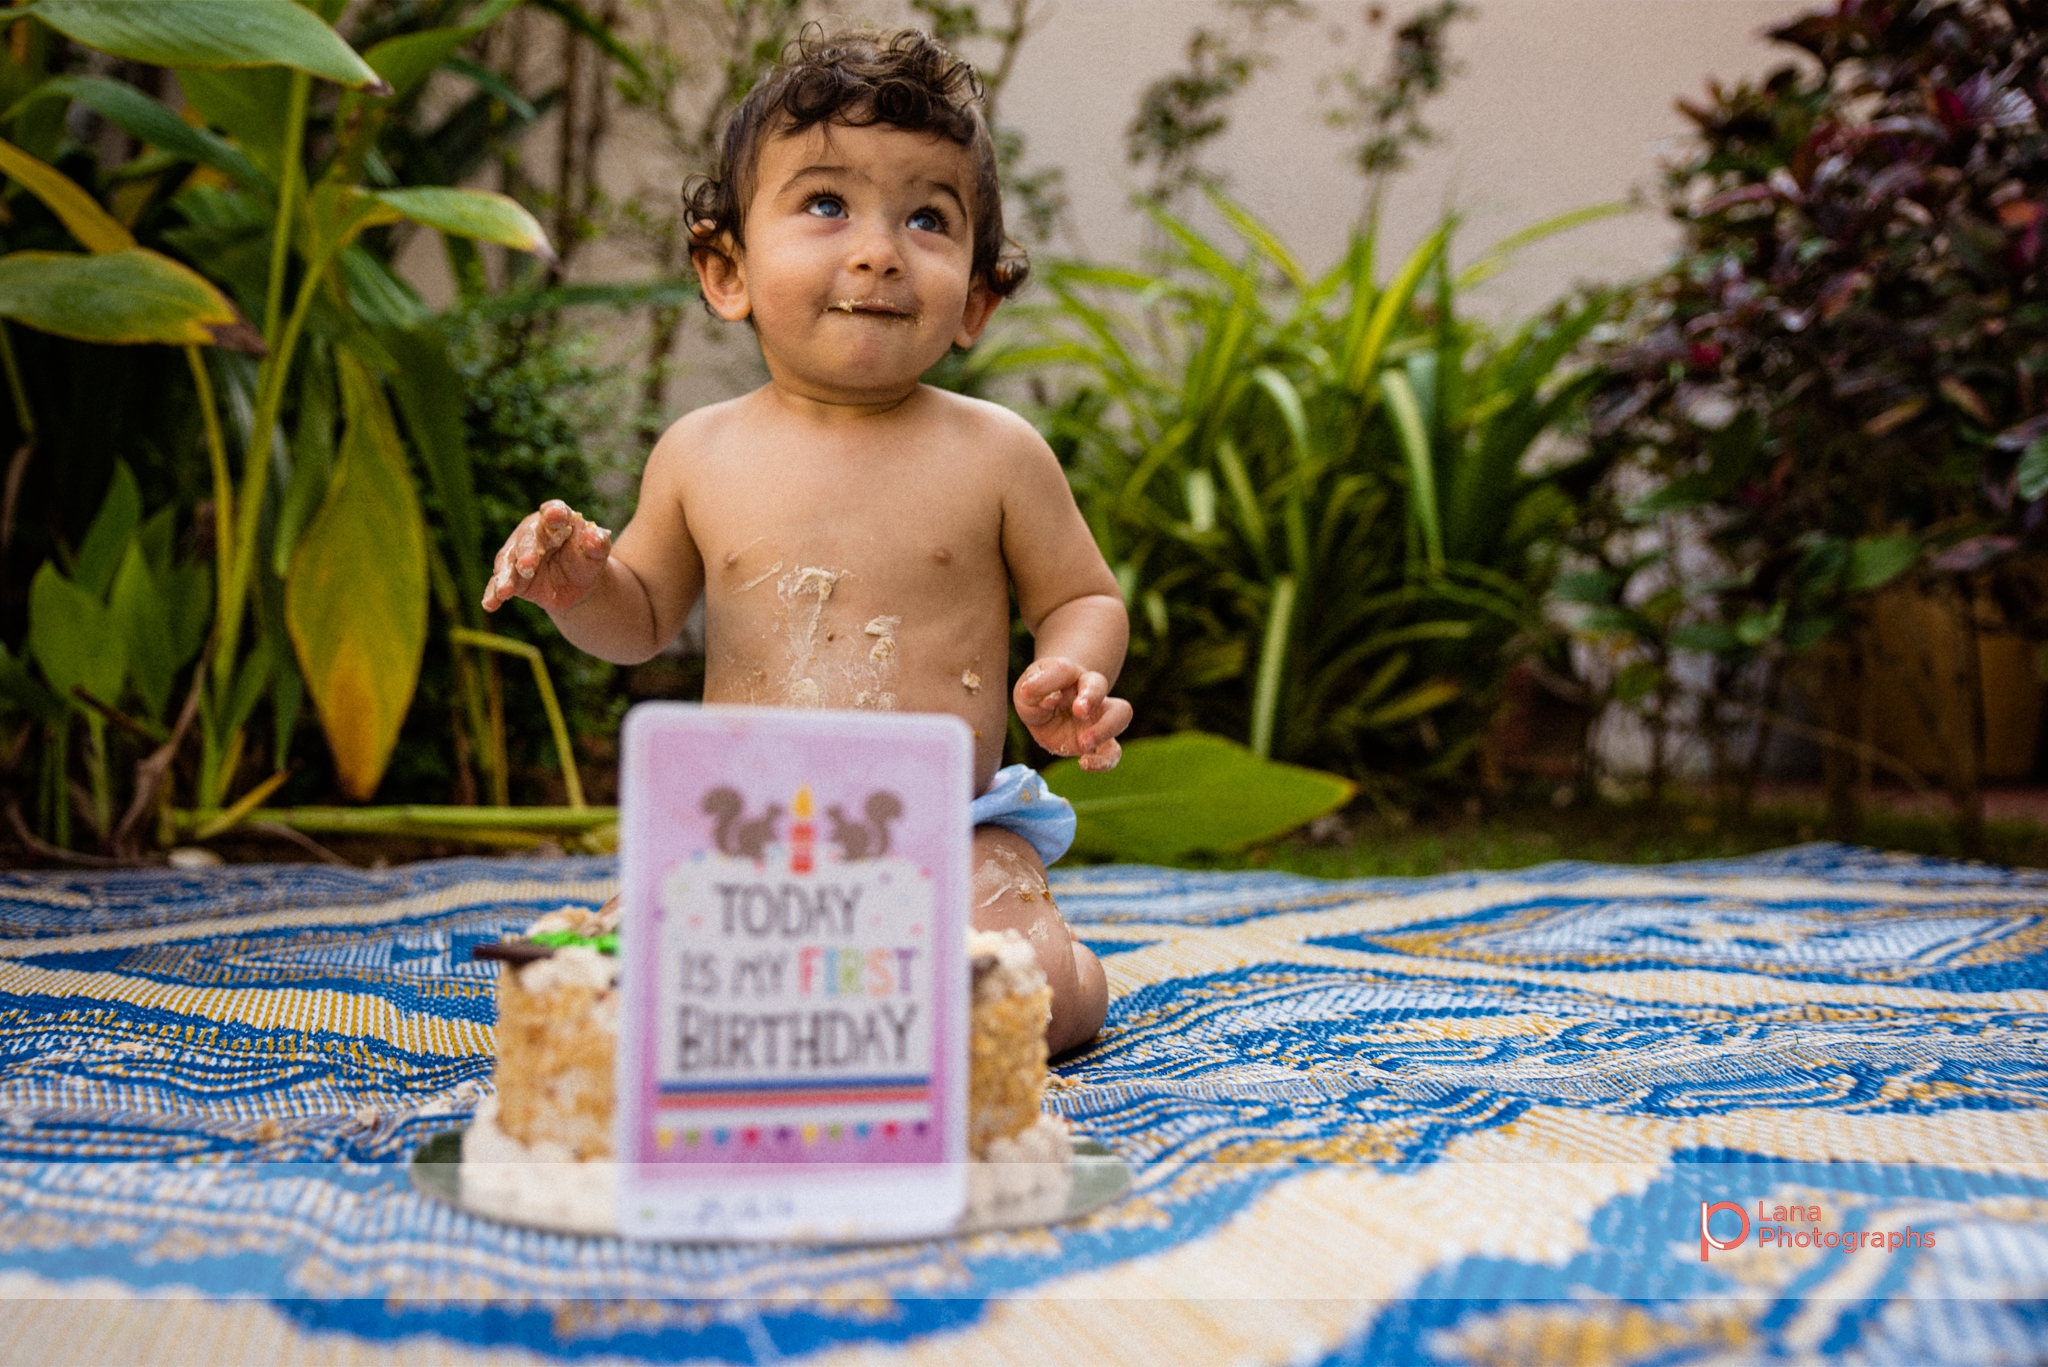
{"x": 557, "y": 1037}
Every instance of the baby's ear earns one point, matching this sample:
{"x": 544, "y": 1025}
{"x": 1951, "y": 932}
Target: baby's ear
{"x": 722, "y": 276}
{"x": 981, "y": 306}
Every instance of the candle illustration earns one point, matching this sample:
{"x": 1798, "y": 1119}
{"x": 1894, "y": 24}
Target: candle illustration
{"x": 803, "y": 831}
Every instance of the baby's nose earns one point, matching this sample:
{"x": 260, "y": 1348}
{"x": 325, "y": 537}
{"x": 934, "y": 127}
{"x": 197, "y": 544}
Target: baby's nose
{"x": 878, "y": 253}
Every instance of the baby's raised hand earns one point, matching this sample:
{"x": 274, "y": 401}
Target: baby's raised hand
{"x": 552, "y": 558}
{"x": 1068, "y": 710}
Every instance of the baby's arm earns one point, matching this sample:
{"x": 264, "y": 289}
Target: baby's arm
{"x": 620, "y": 602}
{"x": 1070, "y": 602}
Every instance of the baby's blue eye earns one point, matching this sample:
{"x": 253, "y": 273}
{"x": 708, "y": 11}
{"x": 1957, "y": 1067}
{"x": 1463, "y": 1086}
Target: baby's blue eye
{"x": 928, "y": 221}
{"x": 825, "y": 206}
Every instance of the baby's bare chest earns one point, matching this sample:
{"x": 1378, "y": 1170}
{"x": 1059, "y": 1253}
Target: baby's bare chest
{"x": 889, "y": 571}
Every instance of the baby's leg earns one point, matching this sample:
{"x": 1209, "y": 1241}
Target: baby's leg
{"x": 1010, "y": 894}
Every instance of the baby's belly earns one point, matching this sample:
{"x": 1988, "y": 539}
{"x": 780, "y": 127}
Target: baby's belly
{"x": 876, "y": 669}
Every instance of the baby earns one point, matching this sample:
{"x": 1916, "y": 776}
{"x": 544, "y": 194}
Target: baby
{"x": 855, "y": 534}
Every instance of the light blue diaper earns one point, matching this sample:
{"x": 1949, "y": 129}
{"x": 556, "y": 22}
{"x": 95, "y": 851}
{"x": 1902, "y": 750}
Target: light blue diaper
{"x": 1018, "y": 800}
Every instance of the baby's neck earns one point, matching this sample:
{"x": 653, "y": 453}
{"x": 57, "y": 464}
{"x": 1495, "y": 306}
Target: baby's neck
{"x": 834, "y": 407}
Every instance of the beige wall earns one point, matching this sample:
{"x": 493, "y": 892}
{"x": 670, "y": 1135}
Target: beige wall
{"x": 1561, "y": 104}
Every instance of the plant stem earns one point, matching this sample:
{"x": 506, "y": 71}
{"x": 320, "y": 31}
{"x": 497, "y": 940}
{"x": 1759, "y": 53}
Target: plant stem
{"x": 287, "y": 205}
{"x": 223, "y": 484}
{"x": 256, "y": 470}
{"x": 22, "y": 412}
{"x": 572, "y": 782}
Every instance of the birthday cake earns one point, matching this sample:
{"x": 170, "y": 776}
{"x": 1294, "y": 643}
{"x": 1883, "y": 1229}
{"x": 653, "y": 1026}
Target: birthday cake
{"x": 558, "y": 1029}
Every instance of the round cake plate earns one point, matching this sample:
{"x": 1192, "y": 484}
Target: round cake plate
{"x": 1099, "y": 1177}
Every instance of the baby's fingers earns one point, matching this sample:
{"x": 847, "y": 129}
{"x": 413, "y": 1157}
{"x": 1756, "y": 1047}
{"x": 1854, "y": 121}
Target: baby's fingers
{"x": 1114, "y": 716}
{"x": 1102, "y": 758}
{"x": 1039, "y": 688}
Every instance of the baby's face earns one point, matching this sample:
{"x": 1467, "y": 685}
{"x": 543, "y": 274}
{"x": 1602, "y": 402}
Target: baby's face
{"x": 857, "y": 269}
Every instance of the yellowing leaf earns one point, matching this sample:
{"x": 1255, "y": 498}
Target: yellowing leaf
{"x": 356, "y": 597}
{"x": 95, "y": 228}
{"x": 126, "y": 297}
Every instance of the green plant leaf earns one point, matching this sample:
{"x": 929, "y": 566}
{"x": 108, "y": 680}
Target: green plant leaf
{"x": 210, "y": 33}
{"x": 150, "y": 121}
{"x": 1387, "y": 307}
{"x": 128, "y": 298}
{"x": 1272, "y": 664}
{"x": 480, "y": 214}
{"x": 143, "y": 622}
{"x": 407, "y": 60}
{"x": 1422, "y": 698}
{"x": 1593, "y": 587}
{"x": 1408, "y": 425}
{"x": 245, "y": 105}
{"x": 1638, "y": 679}
{"x": 188, "y": 609}
{"x": 95, "y": 228}
{"x": 1174, "y": 795}
{"x": 1494, "y": 258}
{"x": 107, "y": 539}
{"x": 20, "y": 687}
{"x": 1712, "y": 637}
{"x": 356, "y": 597}
{"x": 1759, "y": 625}
{"x": 1877, "y": 560}
{"x": 430, "y": 395}
{"x": 72, "y": 637}
{"x": 2032, "y": 475}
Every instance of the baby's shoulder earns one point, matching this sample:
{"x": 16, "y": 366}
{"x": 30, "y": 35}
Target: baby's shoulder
{"x": 990, "y": 427}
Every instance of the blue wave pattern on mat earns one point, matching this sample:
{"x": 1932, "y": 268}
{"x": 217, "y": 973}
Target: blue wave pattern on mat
{"x": 213, "y": 1079}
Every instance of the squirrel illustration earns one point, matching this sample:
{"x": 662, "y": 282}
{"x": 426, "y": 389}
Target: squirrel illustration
{"x": 747, "y": 838}
{"x": 865, "y": 839}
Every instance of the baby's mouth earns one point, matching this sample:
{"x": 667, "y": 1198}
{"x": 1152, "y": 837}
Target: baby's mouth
{"x": 872, "y": 308}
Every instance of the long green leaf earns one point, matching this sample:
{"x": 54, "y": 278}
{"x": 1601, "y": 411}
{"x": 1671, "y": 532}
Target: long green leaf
{"x": 481, "y": 214}
{"x": 1287, "y": 399}
{"x": 1407, "y": 416}
{"x": 356, "y": 598}
{"x": 210, "y": 33}
{"x": 1261, "y": 237}
{"x": 1272, "y": 664}
{"x": 408, "y": 59}
{"x": 1387, "y": 308}
{"x": 150, "y": 121}
{"x": 1425, "y": 698}
{"x": 431, "y": 395}
{"x": 1174, "y": 795}
{"x": 1496, "y": 257}
{"x": 127, "y": 297}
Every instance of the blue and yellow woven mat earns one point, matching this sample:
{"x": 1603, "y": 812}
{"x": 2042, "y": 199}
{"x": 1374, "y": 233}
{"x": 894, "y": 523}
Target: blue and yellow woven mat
{"x": 1471, "y": 1119}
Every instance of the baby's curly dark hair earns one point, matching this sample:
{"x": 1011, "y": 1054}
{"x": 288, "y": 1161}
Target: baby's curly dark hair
{"x": 903, "y": 80}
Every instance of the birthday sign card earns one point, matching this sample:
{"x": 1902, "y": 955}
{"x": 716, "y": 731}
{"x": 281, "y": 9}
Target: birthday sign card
{"x": 792, "y": 1042}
